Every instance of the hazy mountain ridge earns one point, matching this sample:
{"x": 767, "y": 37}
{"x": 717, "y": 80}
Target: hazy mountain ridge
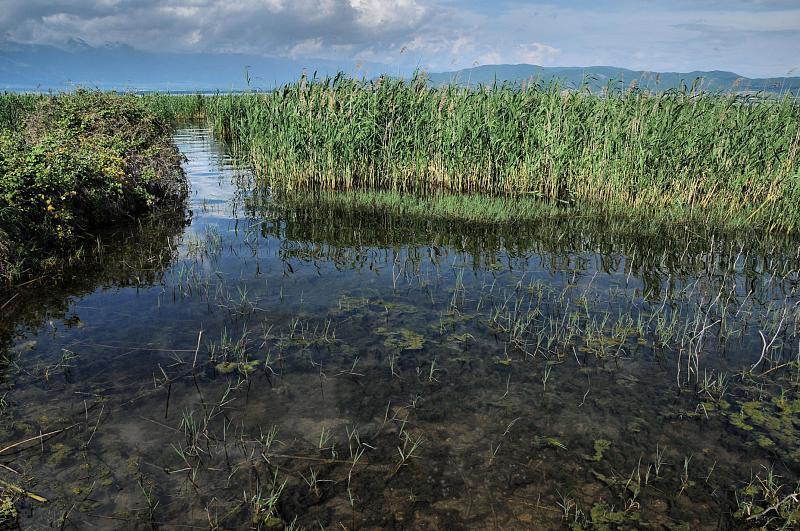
{"x": 598, "y": 77}
{"x": 28, "y": 67}
{"x": 121, "y": 67}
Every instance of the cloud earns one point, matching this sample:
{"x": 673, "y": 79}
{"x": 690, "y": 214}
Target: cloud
{"x": 269, "y": 27}
{"x": 753, "y": 37}
{"x": 537, "y": 53}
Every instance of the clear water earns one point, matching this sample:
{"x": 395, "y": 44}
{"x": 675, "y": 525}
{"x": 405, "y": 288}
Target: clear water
{"x": 378, "y": 372}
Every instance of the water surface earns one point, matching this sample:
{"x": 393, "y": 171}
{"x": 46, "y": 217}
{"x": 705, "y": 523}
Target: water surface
{"x": 266, "y": 366}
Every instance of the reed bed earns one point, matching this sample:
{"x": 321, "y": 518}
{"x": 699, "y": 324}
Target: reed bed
{"x": 14, "y": 107}
{"x": 736, "y": 155}
{"x": 177, "y": 107}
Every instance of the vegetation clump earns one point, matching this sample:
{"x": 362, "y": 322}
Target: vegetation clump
{"x": 74, "y": 163}
{"x": 767, "y": 504}
{"x": 8, "y": 512}
{"x": 14, "y": 107}
{"x": 600, "y": 448}
{"x": 734, "y": 155}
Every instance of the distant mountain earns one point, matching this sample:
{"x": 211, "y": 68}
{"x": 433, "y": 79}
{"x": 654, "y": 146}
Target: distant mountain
{"x": 117, "y": 66}
{"x": 120, "y": 67}
{"x": 598, "y": 77}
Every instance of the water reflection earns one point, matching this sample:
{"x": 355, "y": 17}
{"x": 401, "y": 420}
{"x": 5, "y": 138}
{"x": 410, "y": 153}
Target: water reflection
{"x": 283, "y": 362}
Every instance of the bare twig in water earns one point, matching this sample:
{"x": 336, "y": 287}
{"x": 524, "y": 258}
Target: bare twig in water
{"x": 36, "y": 438}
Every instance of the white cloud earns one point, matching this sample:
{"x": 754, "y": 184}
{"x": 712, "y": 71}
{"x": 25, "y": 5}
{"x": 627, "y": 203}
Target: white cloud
{"x": 537, "y": 53}
{"x": 376, "y": 13}
{"x": 307, "y": 48}
{"x": 754, "y": 37}
{"x": 277, "y": 27}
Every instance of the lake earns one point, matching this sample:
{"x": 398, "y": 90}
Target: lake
{"x": 255, "y": 363}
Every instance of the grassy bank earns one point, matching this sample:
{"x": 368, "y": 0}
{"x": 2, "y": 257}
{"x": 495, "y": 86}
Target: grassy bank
{"x": 71, "y": 165}
{"x": 734, "y": 155}
{"x": 511, "y": 211}
{"x": 488, "y": 227}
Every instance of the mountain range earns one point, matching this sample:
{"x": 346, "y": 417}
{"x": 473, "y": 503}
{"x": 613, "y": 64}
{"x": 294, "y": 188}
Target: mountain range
{"x": 599, "y": 77}
{"x": 32, "y": 67}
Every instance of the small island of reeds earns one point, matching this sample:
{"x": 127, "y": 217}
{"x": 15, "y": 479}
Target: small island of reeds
{"x": 724, "y": 158}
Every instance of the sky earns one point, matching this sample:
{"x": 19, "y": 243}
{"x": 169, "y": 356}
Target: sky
{"x": 755, "y": 38}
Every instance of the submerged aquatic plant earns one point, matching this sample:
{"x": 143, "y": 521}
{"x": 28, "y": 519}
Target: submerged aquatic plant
{"x": 769, "y": 504}
{"x": 8, "y": 511}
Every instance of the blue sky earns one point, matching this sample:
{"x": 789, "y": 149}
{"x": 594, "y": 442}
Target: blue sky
{"x": 750, "y": 37}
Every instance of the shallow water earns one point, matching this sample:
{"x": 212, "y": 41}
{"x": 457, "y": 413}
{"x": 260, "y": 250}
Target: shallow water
{"x": 263, "y": 366}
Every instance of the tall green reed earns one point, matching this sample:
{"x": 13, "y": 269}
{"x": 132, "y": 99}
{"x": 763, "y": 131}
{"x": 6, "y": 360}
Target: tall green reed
{"x": 738, "y": 155}
{"x": 174, "y": 107}
{"x": 14, "y": 107}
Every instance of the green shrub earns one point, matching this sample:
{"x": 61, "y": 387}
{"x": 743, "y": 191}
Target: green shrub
{"x": 77, "y": 162}
{"x": 13, "y": 107}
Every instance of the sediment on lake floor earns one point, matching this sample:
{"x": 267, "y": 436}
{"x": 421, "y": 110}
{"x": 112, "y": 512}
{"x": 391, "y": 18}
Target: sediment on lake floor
{"x": 73, "y": 164}
{"x": 583, "y": 375}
